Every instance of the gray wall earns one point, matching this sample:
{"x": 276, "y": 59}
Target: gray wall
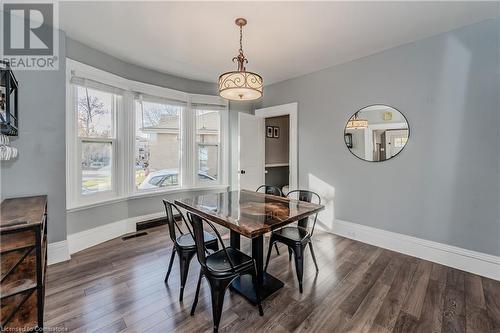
{"x": 94, "y": 217}
{"x": 445, "y": 184}
{"x": 40, "y": 167}
{"x": 277, "y": 176}
{"x": 277, "y": 149}
{"x": 82, "y": 53}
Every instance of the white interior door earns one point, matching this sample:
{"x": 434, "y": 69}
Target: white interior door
{"x": 395, "y": 140}
{"x": 252, "y": 151}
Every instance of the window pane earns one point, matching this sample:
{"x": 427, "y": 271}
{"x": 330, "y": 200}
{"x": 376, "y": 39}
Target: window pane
{"x": 208, "y": 162}
{"x": 96, "y": 167}
{"x": 207, "y": 126}
{"x": 157, "y": 145}
{"x": 208, "y": 136}
{"x": 95, "y": 113}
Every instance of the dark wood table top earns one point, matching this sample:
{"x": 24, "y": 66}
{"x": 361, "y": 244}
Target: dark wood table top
{"x": 248, "y": 213}
{"x": 23, "y": 212}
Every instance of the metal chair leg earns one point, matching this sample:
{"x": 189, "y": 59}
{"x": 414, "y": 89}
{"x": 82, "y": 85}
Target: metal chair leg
{"x": 276, "y": 247}
{"x": 217, "y": 291}
{"x": 184, "y": 261}
{"x": 268, "y": 255}
{"x": 289, "y": 254}
{"x": 299, "y": 264}
{"x": 170, "y": 264}
{"x": 314, "y": 257}
{"x": 195, "y": 302}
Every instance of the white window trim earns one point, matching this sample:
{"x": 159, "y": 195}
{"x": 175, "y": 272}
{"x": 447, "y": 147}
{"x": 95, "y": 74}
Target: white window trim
{"x": 124, "y": 142}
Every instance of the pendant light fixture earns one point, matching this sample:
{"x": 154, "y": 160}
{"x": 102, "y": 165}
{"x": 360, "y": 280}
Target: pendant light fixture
{"x": 357, "y": 123}
{"x": 240, "y": 85}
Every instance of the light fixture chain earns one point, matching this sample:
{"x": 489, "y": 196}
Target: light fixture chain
{"x": 241, "y": 38}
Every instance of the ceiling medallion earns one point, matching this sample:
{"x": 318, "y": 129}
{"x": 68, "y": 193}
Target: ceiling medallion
{"x": 240, "y": 85}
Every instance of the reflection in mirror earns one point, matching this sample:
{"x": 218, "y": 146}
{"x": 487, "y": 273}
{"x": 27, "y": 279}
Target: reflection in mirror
{"x": 376, "y": 133}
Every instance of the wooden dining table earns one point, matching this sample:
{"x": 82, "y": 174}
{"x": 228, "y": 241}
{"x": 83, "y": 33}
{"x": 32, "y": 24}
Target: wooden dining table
{"x": 250, "y": 214}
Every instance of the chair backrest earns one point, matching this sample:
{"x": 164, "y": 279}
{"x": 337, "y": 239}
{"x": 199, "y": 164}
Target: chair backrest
{"x": 270, "y": 189}
{"x": 307, "y": 196}
{"x": 172, "y": 223}
{"x": 199, "y": 240}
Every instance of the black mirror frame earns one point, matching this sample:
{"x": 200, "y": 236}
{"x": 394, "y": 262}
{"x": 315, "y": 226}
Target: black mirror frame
{"x": 364, "y": 107}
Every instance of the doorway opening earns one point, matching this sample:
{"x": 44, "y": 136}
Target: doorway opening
{"x": 277, "y": 152}
{"x": 262, "y": 156}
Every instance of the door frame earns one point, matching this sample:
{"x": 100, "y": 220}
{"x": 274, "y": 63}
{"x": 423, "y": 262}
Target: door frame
{"x": 369, "y": 133}
{"x": 290, "y": 109}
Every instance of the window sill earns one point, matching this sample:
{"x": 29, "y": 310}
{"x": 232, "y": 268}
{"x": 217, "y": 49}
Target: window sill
{"x": 134, "y": 196}
{"x": 147, "y": 194}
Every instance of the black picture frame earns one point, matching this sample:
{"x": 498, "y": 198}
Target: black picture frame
{"x": 276, "y": 132}
{"x": 348, "y": 140}
{"x": 269, "y": 131}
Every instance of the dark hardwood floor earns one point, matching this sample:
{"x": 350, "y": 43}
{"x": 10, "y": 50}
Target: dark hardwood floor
{"x": 118, "y": 287}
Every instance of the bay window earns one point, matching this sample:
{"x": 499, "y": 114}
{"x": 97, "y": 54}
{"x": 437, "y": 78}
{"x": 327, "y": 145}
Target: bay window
{"x": 157, "y": 143}
{"x": 128, "y": 139}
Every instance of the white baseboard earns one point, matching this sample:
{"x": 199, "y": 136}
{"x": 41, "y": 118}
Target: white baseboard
{"x": 471, "y": 261}
{"x": 57, "y": 252}
{"x": 91, "y": 237}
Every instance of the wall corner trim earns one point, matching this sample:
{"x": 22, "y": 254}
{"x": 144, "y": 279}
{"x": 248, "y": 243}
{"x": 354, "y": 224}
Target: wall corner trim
{"x": 467, "y": 260}
{"x": 84, "y": 239}
{"x": 57, "y": 252}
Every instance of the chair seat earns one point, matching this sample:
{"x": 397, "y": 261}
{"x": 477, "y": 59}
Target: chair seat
{"x": 187, "y": 240}
{"x": 295, "y": 234}
{"x": 218, "y": 264}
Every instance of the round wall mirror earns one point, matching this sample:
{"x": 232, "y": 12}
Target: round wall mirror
{"x": 376, "y": 133}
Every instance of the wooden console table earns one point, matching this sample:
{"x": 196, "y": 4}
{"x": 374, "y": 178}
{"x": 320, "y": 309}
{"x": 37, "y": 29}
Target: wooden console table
{"x": 23, "y": 252}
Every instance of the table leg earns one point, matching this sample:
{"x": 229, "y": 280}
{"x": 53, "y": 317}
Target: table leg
{"x": 234, "y": 239}
{"x": 266, "y": 283}
{"x": 258, "y": 256}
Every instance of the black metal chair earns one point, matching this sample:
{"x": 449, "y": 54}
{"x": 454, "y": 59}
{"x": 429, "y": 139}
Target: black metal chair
{"x": 184, "y": 245}
{"x": 220, "y": 269}
{"x": 272, "y": 190}
{"x": 297, "y": 237}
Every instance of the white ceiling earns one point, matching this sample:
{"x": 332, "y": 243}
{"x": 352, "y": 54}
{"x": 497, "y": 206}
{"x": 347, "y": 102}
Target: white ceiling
{"x": 282, "y": 39}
